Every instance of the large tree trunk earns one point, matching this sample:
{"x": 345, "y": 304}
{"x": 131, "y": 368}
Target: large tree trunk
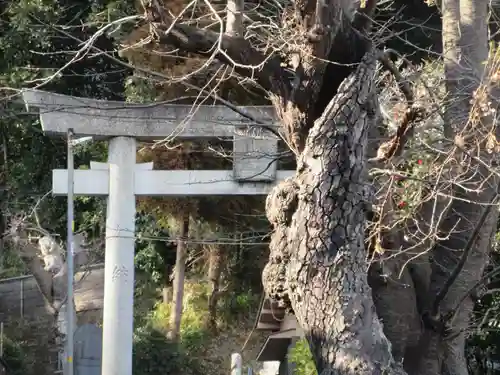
{"x": 318, "y": 258}
{"x": 179, "y": 276}
{"x": 317, "y": 265}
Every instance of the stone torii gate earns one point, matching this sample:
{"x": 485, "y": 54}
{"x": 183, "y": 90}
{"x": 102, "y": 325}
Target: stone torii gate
{"x": 121, "y": 179}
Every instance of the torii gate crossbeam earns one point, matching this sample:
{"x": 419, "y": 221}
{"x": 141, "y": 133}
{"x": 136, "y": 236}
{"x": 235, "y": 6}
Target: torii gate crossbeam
{"x": 121, "y": 180}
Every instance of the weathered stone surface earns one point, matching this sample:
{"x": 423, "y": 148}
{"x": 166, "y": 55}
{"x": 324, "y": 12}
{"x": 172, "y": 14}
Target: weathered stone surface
{"x": 103, "y": 119}
{"x": 164, "y": 183}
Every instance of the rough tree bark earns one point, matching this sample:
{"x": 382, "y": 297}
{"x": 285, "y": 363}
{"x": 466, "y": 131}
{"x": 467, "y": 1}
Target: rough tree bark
{"x": 317, "y": 265}
{"x": 179, "y": 273}
{"x": 317, "y": 251}
{"x": 318, "y": 245}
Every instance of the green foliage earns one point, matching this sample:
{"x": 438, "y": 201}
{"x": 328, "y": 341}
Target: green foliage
{"x": 36, "y": 39}
{"x": 194, "y": 316}
{"x": 243, "y": 304}
{"x": 11, "y": 263}
{"x": 139, "y": 90}
{"x": 34, "y": 44}
{"x": 301, "y": 358}
{"x": 154, "y": 354}
{"x": 27, "y": 345}
{"x": 30, "y": 157}
{"x": 106, "y": 11}
{"x": 14, "y": 357}
{"x": 155, "y": 255}
{"x": 199, "y": 348}
{"x": 90, "y": 212}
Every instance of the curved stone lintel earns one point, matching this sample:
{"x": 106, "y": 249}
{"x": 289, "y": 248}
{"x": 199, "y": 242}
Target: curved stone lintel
{"x": 103, "y": 119}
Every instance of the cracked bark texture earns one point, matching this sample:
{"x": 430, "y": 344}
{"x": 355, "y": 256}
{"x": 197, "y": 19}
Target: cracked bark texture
{"x": 318, "y": 258}
{"x": 317, "y": 250}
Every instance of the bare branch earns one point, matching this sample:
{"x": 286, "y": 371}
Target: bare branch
{"x": 29, "y": 254}
{"x": 414, "y": 113}
{"x": 233, "y": 51}
{"x": 441, "y": 295}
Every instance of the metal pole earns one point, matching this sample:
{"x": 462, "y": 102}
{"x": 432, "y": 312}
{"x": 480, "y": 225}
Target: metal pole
{"x": 69, "y": 260}
{"x": 21, "y": 305}
{"x": 1, "y": 339}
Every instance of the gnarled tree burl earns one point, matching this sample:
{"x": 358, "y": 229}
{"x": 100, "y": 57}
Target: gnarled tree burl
{"x": 317, "y": 264}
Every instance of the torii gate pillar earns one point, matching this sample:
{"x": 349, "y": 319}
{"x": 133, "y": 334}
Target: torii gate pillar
{"x": 121, "y": 180}
{"x": 119, "y": 261}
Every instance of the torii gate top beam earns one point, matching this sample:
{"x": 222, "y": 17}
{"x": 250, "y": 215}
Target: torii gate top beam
{"x": 104, "y": 119}
{"x": 254, "y": 159}
{"x": 121, "y": 180}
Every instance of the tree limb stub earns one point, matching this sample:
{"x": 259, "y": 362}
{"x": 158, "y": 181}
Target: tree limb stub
{"x": 52, "y": 282}
{"x": 413, "y": 114}
{"x": 43, "y": 278}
